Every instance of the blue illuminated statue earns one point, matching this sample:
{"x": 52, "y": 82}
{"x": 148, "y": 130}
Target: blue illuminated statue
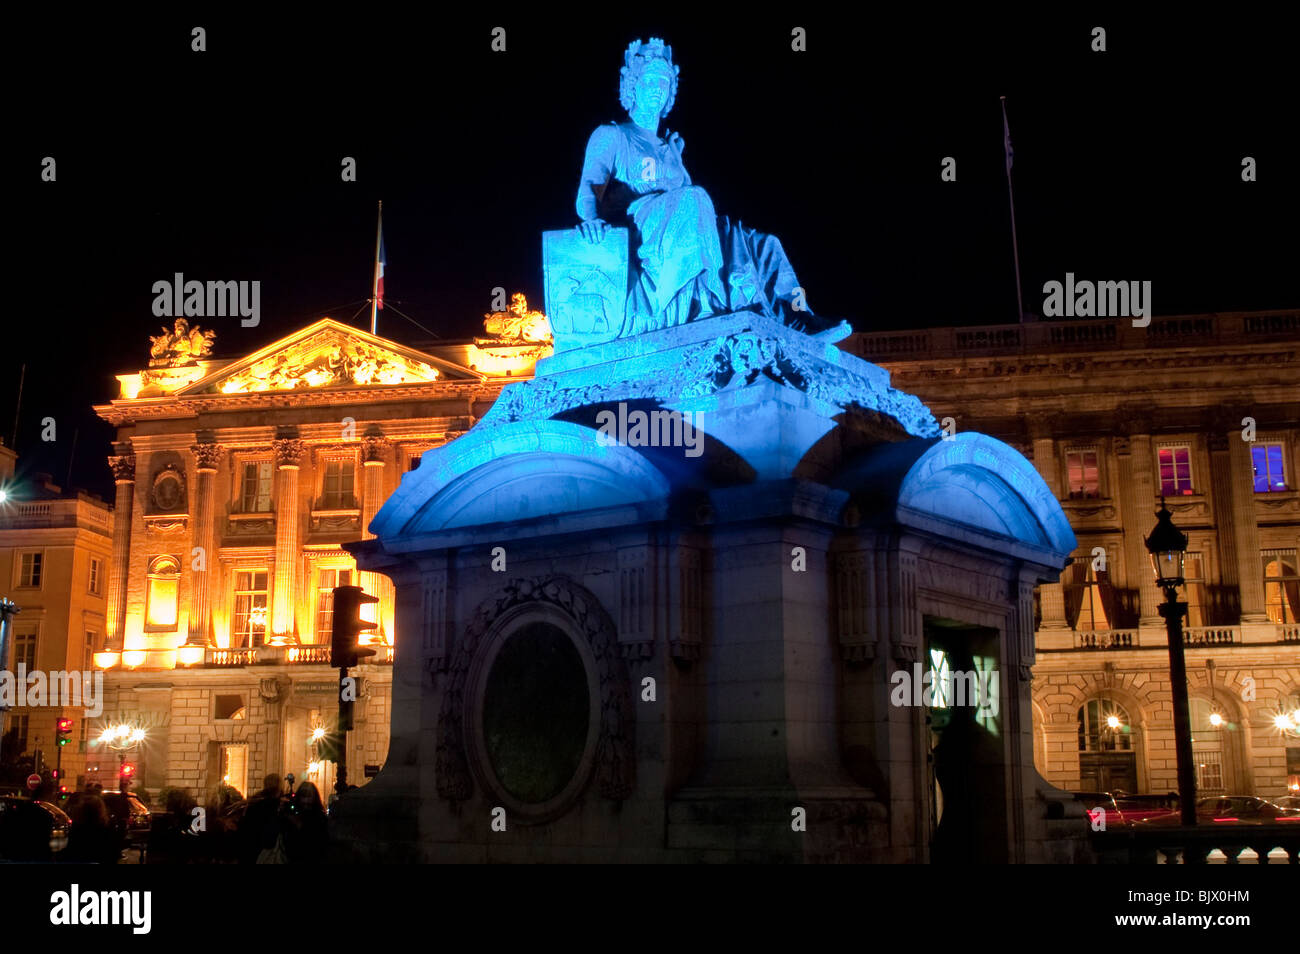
{"x": 690, "y": 262}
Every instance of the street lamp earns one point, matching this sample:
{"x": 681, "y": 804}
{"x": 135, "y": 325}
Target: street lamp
{"x": 1168, "y": 548}
{"x": 122, "y": 737}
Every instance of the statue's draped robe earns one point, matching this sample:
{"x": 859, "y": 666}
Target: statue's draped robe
{"x": 691, "y": 262}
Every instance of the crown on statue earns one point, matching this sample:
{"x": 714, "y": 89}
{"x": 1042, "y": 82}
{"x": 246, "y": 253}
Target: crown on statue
{"x": 635, "y": 60}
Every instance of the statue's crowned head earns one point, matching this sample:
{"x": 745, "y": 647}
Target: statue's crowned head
{"x": 647, "y": 59}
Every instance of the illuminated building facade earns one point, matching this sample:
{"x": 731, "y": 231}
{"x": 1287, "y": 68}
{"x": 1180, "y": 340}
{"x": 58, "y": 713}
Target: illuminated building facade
{"x": 1204, "y": 410}
{"x": 54, "y": 557}
{"x": 238, "y": 482}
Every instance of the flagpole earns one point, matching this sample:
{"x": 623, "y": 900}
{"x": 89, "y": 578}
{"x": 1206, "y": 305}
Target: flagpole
{"x": 1015, "y": 247}
{"x": 374, "y": 286}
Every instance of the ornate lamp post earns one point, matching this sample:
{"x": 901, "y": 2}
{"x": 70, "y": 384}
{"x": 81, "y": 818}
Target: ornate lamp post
{"x": 121, "y": 737}
{"x": 1168, "y": 547}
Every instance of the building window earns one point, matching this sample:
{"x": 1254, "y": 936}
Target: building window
{"x": 29, "y": 568}
{"x": 1281, "y": 586}
{"x": 24, "y": 651}
{"x": 1192, "y": 592}
{"x": 1104, "y": 726}
{"x": 255, "y": 487}
{"x": 325, "y": 600}
{"x": 88, "y": 655}
{"x": 164, "y": 581}
{"x": 250, "y": 609}
{"x": 337, "y": 485}
{"x": 1207, "y": 749}
{"x": 1175, "y": 470}
{"x": 1081, "y": 465}
{"x": 234, "y": 766}
{"x": 413, "y": 462}
{"x": 96, "y": 576}
{"x": 18, "y": 726}
{"x": 229, "y": 707}
{"x": 1270, "y": 475}
{"x": 1090, "y": 600}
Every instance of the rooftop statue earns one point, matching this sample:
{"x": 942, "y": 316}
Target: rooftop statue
{"x": 181, "y": 346}
{"x": 690, "y": 262}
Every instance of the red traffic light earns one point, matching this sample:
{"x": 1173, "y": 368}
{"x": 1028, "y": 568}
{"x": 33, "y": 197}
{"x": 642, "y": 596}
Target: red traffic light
{"x": 65, "y": 725}
{"x": 63, "y": 731}
{"x": 348, "y": 625}
{"x": 127, "y": 770}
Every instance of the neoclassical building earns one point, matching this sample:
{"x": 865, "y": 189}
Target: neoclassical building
{"x": 238, "y": 482}
{"x": 1204, "y": 410}
{"x": 54, "y": 556}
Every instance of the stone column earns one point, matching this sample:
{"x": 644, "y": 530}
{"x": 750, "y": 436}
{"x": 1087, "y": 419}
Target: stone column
{"x": 374, "y": 449}
{"x": 288, "y": 455}
{"x": 1225, "y": 521}
{"x": 1250, "y": 573}
{"x": 1051, "y": 595}
{"x": 207, "y": 457}
{"x": 1137, "y": 478}
{"x": 123, "y": 465}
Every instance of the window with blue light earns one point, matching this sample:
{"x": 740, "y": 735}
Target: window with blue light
{"x": 1270, "y": 475}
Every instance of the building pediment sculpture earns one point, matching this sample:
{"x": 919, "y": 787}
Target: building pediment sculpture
{"x": 326, "y": 360}
{"x": 181, "y": 347}
{"x": 649, "y": 251}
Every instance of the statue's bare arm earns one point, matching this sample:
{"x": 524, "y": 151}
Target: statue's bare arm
{"x": 597, "y": 167}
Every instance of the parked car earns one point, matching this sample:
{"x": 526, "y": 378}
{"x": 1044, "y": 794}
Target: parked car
{"x": 130, "y": 817}
{"x": 31, "y": 830}
{"x": 1287, "y": 801}
{"x": 1141, "y": 808}
{"x": 1089, "y": 802}
{"x": 1233, "y": 810}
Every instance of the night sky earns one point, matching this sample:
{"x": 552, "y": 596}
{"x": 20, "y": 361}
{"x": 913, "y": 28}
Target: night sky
{"x": 225, "y": 165}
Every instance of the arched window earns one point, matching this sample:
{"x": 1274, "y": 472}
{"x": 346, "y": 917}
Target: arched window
{"x": 1104, "y": 727}
{"x": 163, "y": 592}
{"x": 1107, "y": 753}
{"x": 1208, "y": 746}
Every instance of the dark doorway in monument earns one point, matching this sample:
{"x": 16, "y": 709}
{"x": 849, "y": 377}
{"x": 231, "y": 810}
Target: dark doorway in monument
{"x": 536, "y": 719}
{"x": 967, "y": 749}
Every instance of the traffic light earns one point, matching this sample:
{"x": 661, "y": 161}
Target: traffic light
{"x": 348, "y": 625}
{"x": 124, "y": 776}
{"x": 63, "y": 731}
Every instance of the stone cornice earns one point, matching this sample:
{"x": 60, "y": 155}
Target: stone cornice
{"x": 189, "y": 406}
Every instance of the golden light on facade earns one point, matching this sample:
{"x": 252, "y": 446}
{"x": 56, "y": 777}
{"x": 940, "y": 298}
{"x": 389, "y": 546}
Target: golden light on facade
{"x": 1216, "y": 720}
{"x": 134, "y": 657}
{"x": 317, "y": 734}
{"x": 1113, "y": 721}
{"x": 190, "y": 655}
{"x": 107, "y": 659}
{"x": 1284, "y": 722}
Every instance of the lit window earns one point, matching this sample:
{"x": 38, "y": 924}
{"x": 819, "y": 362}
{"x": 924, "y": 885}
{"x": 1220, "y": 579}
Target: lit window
{"x": 1090, "y": 600}
{"x": 1104, "y": 726}
{"x": 1281, "y": 586}
{"x": 164, "y": 580}
{"x": 337, "y": 485}
{"x": 1269, "y": 473}
{"x": 249, "y": 630}
{"x": 96, "y": 575}
{"x": 1082, "y": 467}
{"x": 255, "y": 493}
{"x": 325, "y": 600}
{"x": 29, "y": 572}
{"x": 1175, "y": 471}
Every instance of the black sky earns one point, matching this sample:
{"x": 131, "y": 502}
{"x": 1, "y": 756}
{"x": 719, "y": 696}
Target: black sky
{"x": 225, "y": 165}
